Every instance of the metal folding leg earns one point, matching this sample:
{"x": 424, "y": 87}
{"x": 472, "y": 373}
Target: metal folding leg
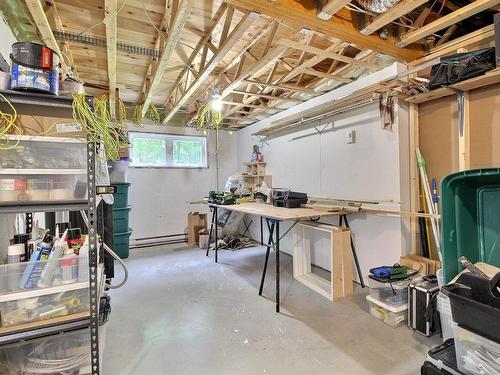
{"x": 268, "y": 250}
{"x": 354, "y": 254}
{"x": 277, "y": 266}
{"x": 211, "y": 228}
{"x": 216, "y": 236}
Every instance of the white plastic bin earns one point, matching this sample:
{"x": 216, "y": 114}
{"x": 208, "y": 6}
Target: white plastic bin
{"x": 392, "y": 293}
{"x": 67, "y": 353}
{"x": 476, "y": 354}
{"x": 393, "y": 314}
{"x": 444, "y": 308}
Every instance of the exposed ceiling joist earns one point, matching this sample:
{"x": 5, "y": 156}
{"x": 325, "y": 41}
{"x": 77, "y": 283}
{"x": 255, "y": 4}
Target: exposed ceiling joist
{"x": 331, "y": 8}
{"x": 235, "y": 35}
{"x": 199, "y": 46}
{"x": 111, "y": 10}
{"x": 298, "y": 15}
{"x": 321, "y": 52}
{"x": 42, "y": 23}
{"x": 240, "y": 104}
{"x": 383, "y": 19}
{"x": 446, "y": 21}
{"x": 175, "y": 32}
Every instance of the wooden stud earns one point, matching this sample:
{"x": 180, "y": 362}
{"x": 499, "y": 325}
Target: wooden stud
{"x": 270, "y": 97}
{"x": 314, "y": 72}
{"x": 280, "y": 86}
{"x": 174, "y": 36}
{"x": 235, "y": 35}
{"x": 227, "y": 25}
{"x": 111, "y": 10}
{"x": 446, "y": 21}
{"x": 383, "y": 19}
{"x": 464, "y": 139}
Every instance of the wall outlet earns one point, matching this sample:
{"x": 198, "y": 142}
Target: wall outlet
{"x": 351, "y": 137}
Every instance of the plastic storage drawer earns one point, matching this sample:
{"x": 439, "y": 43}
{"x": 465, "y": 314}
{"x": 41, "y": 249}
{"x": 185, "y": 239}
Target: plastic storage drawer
{"x": 393, "y": 314}
{"x": 476, "y": 354}
{"x": 444, "y": 308}
{"x": 32, "y": 292}
{"x": 65, "y": 353}
{"x": 43, "y": 170}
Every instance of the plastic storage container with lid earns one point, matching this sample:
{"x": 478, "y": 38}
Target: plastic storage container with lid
{"x": 393, "y": 314}
{"x": 392, "y": 292}
{"x": 476, "y": 354}
{"x": 444, "y": 308}
{"x": 441, "y": 360}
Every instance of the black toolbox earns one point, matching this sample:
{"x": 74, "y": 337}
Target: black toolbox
{"x": 441, "y": 360}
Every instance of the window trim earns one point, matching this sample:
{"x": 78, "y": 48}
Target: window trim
{"x": 173, "y": 135}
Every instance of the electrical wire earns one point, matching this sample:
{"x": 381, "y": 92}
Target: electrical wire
{"x": 8, "y": 126}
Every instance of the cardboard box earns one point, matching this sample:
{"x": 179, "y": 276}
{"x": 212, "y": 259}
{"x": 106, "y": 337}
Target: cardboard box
{"x": 196, "y": 221}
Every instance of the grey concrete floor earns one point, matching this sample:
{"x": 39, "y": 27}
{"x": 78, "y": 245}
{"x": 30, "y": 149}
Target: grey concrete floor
{"x": 180, "y": 313}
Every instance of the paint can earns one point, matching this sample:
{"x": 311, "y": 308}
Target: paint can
{"x": 34, "y": 68}
{"x": 16, "y": 253}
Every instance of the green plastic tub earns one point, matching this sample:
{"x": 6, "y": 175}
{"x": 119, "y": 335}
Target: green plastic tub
{"x": 121, "y": 195}
{"x": 121, "y": 243}
{"x": 121, "y": 219}
{"x": 470, "y": 223}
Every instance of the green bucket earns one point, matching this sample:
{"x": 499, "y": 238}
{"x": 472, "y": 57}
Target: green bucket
{"x": 121, "y": 219}
{"x": 121, "y": 243}
{"x": 121, "y": 195}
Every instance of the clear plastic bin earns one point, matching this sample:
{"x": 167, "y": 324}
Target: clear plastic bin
{"x": 67, "y": 353}
{"x": 42, "y": 290}
{"x": 395, "y": 292}
{"x": 35, "y": 188}
{"x": 40, "y": 152}
{"x": 444, "y": 308}
{"x": 393, "y": 314}
{"x": 476, "y": 354}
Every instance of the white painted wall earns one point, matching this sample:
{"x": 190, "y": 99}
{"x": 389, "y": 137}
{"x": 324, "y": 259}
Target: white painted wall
{"x": 160, "y": 196}
{"x": 325, "y": 165}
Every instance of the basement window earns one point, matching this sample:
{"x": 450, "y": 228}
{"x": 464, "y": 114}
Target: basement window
{"x": 155, "y": 150}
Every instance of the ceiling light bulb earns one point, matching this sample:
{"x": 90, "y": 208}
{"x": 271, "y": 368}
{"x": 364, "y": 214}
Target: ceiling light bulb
{"x": 216, "y": 103}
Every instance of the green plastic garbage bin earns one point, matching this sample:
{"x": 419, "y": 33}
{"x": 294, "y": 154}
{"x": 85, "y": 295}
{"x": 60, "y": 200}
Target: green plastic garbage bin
{"x": 470, "y": 219}
{"x": 121, "y": 243}
{"x": 121, "y": 219}
{"x": 121, "y": 195}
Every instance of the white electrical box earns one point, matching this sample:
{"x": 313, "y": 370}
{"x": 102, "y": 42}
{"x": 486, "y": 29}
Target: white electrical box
{"x": 351, "y": 137}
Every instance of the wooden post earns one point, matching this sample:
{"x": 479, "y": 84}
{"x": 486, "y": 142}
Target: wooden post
{"x": 414, "y": 176}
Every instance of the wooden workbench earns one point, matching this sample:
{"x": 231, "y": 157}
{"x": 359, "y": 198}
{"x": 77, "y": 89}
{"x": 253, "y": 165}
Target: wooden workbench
{"x": 273, "y": 216}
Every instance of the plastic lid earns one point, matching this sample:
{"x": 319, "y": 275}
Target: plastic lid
{"x": 16, "y": 249}
{"x": 74, "y": 233}
{"x": 21, "y": 238}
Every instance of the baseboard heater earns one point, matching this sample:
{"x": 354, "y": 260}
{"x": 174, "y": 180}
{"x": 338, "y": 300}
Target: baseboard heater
{"x": 167, "y": 239}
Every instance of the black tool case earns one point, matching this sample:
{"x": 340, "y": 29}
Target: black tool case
{"x": 419, "y": 300}
{"x": 288, "y": 199}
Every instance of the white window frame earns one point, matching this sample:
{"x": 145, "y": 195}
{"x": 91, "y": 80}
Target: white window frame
{"x": 169, "y": 137}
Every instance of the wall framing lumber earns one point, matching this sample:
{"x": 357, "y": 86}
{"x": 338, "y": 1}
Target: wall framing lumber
{"x": 111, "y": 10}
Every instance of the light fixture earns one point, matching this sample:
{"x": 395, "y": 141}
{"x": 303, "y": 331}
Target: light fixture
{"x": 216, "y": 100}
{"x": 230, "y": 132}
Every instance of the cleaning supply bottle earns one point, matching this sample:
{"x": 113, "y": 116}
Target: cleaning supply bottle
{"x": 35, "y": 267}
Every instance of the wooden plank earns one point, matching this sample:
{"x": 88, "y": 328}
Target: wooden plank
{"x": 446, "y": 21}
{"x": 265, "y": 96}
{"x": 325, "y": 54}
{"x": 314, "y": 72}
{"x": 283, "y": 86}
{"x": 42, "y": 23}
{"x": 414, "y": 176}
{"x": 227, "y": 25}
{"x": 174, "y": 35}
{"x": 331, "y": 8}
{"x": 44, "y": 323}
{"x": 235, "y": 35}
{"x": 446, "y": 36}
{"x": 300, "y": 15}
{"x": 341, "y": 263}
{"x": 238, "y": 104}
{"x": 110, "y": 9}
{"x": 383, "y": 19}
